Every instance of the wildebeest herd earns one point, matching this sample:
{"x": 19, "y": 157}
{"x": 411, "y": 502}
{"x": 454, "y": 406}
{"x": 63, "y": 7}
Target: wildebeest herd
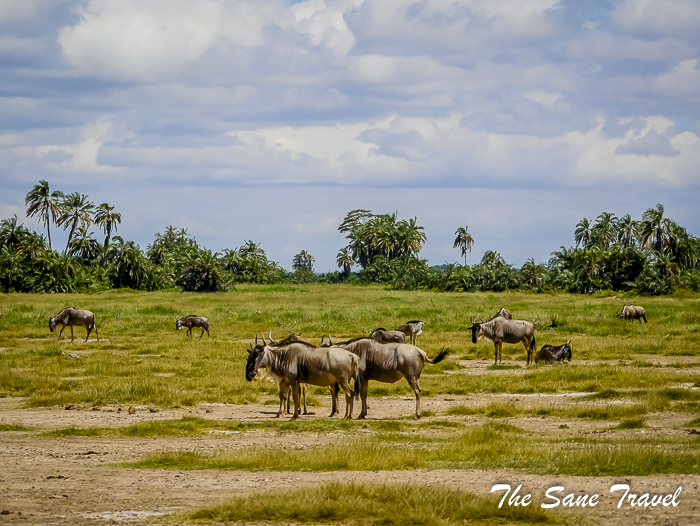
{"x": 384, "y": 356}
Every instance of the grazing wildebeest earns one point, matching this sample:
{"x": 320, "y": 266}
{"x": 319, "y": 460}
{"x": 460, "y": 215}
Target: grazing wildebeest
{"x": 388, "y": 363}
{"x": 71, "y": 316}
{"x": 193, "y": 321}
{"x": 300, "y": 362}
{"x": 383, "y": 335}
{"x": 412, "y": 329}
{"x": 501, "y": 330}
{"x": 632, "y": 312}
{"x": 551, "y": 353}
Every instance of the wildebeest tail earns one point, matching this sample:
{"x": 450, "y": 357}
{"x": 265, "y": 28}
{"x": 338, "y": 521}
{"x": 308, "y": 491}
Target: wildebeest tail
{"x": 534, "y": 343}
{"x": 336, "y": 387}
{"x": 356, "y": 387}
{"x": 444, "y": 353}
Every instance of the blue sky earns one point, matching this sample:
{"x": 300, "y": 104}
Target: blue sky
{"x": 270, "y": 120}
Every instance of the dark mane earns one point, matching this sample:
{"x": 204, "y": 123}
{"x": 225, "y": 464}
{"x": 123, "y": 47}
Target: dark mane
{"x": 353, "y": 340}
{"x": 413, "y": 321}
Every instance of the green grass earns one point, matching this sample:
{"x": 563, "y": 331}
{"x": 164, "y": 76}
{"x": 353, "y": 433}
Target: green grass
{"x": 493, "y": 446}
{"x": 370, "y": 504}
{"x": 14, "y": 427}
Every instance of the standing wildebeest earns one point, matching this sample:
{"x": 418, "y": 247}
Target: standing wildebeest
{"x": 551, "y": 353}
{"x": 501, "y": 330}
{"x": 72, "y": 316}
{"x": 388, "y": 363}
{"x": 299, "y": 362}
{"x": 193, "y": 321}
{"x": 632, "y": 312}
{"x": 412, "y": 329}
{"x": 503, "y": 313}
{"x": 384, "y": 336}
{"x": 284, "y": 386}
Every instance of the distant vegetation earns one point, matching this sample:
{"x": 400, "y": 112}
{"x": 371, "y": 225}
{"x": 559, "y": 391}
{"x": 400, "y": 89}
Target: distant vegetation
{"x": 654, "y": 256}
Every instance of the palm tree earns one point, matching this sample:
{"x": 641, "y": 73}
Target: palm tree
{"x": 627, "y": 230}
{"x": 605, "y": 230}
{"x": 45, "y": 204}
{"x": 464, "y": 241}
{"x": 75, "y": 209}
{"x": 583, "y": 233}
{"x": 84, "y": 245}
{"x": 344, "y": 260}
{"x": 657, "y": 230}
{"x": 107, "y": 220}
{"x": 533, "y": 274}
{"x": 11, "y": 233}
{"x": 303, "y": 261}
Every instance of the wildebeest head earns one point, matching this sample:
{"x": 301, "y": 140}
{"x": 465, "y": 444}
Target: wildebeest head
{"x": 52, "y": 323}
{"x": 178, "y": 324}
{"x": 476, "y": 330}
{"x": 255, "y": 355}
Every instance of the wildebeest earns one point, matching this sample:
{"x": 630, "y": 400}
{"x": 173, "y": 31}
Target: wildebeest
{"x": 632, "y": 312}
{"x": 501, "y": 330}
{"x": 551, "y": 353}
{"x": 298, "y": 362}
{"x": 412, "y": 329}
{"x": 503, "y": 313}
{"x": 71, "y": 316}
{"x": 193, "y": 321}
{"x": 388, "y": 363}
{"x": 383, "y": 335}
{"x": 284, "y": 386}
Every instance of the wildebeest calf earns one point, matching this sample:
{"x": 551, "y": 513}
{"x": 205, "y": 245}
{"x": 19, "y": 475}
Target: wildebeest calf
{"x": 71, "y": 316}
{"x": 385, "y": 336}
{"x": 633, "y": 312}
{"x": 412, "y": 329}
{"x": 551, "y": 353}
{"x": 193, "y": 321}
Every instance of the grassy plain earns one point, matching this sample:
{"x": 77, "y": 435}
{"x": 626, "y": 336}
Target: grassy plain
{"x": 626, "y": 378}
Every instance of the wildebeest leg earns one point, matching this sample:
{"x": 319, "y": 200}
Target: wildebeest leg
{"x": 94, "y": 326}
{"x": 208, "y": 335}
{"x": 363, "y": 397}
{"x": 88, "y": 327}
{"x": 202, "y": 334}
{"x": 303, "y": 397}
{"x": 295, "y": 394}
{"x": 284, "y": 397}
{"x": 348, "y": 399}
{"x": 189, "y": 332}
{"x": 413, "y": 382}
{"x": 59, "y": 334}
{"x": 334, "y": 398}
{"x": 71, "y": 333}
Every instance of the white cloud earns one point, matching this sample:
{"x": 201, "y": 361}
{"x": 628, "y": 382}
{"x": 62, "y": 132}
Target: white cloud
{"x": 659, "y": 17}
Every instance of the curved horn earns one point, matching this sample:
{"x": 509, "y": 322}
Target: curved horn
{"x": 329, "y": 338}
{"x": 322, "y": 337}
{"x": 256, "y": 339}
{"x": 270, "y": 335}
{"x": 263, "y": 338}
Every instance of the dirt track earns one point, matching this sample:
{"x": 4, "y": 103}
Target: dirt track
{"x": 73, "y": 481}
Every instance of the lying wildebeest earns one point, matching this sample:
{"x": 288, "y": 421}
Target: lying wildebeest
{"x": 384, "y": 336}
{"x": 551, "y": 353}
{"x": 501, "y": 330}
{"x": 193, "y": 321}
{"x": 71, "y": 316}
{"x": 298, "y": 362}
{"x": 388, "y": 363}
{"x": 632, "y": 312}
{"x": 412, "y": 329}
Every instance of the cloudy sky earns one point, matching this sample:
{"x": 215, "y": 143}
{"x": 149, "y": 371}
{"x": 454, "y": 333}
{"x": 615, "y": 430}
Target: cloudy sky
{"x": 270, "y": 120}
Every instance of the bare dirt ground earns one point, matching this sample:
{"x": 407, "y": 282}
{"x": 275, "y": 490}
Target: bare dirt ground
{"x": 66, "y": 481}
{"x": 75, "y": 481}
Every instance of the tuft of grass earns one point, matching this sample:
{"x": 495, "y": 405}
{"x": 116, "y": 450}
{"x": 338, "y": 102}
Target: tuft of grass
{"x": 14, "y": 427}
{"x": 77, "y": 432}
{"x": 502, "y": 367}
{"x": 633, "y": 423}
{"x": 372, "y": 504}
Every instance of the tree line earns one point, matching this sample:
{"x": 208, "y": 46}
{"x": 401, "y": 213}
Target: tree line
{"x": 654, "y": 255}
